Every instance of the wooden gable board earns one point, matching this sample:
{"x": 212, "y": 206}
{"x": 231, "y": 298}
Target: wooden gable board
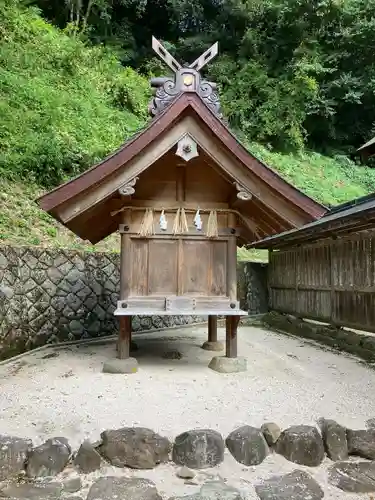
{"x": 186, "y": 114}
{"x": 232, "y": 168}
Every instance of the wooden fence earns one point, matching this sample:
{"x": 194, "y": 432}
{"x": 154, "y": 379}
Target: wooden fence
{"x": 331, "y": 281}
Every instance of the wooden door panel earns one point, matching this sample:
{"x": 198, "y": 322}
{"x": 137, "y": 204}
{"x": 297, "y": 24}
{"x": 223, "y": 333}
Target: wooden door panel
{"x": 139, "y": 254}
{"x": 162, "y": 267}
{"x": 219, "y": 268}
{"x": 195, "y": 267}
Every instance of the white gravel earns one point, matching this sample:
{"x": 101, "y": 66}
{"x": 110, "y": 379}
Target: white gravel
{"x": 289, "y": 381}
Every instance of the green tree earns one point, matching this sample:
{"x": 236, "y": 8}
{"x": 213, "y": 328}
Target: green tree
{"x": 291, "y": 72}
{"x": 63, "y": 104}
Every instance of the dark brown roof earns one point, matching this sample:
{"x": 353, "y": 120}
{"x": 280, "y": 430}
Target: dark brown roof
{"x": 185, "y": 104}
{"x": 367, "y": 149}
{"x": 349, "y": 217}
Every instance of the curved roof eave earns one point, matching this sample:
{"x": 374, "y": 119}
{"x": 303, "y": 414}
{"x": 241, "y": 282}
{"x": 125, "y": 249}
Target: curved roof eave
{"x": 184, "y": 103}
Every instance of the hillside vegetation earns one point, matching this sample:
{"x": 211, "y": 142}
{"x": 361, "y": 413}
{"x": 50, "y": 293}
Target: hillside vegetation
{"x": 292, "y": 73}
{"x": 66, "y": 102}
{"x": 63, "y": 105}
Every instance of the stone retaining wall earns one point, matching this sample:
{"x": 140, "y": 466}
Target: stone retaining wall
{"x": 53, "y": 295}
{"x": 359, "y": 344}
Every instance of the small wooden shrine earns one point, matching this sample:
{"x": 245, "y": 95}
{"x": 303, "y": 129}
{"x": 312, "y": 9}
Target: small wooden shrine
{"x": 183, "y": 193}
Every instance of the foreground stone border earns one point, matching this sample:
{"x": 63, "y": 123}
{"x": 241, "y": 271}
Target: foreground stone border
{"x": 359, "y": 344}
{"x": 142, "y": 448}
{"x": 28, "y": 472}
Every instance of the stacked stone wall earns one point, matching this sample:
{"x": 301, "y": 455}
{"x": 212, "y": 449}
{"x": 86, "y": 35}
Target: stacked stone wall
{"x": 52, "y": 295}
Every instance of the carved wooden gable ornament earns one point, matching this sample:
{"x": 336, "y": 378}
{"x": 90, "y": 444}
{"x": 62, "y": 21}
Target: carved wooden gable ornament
{"x": 185, "y": 79}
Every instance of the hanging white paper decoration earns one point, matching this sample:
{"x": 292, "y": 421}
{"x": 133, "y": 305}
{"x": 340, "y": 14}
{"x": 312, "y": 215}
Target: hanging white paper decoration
{"x": 198, "y": 221}
{"x": 163, "y": 221}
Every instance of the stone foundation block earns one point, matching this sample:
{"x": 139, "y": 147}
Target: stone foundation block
{"x": 213, "y": 346}
{"x": 129, "y": 365}
{"x": 222, "y": 364}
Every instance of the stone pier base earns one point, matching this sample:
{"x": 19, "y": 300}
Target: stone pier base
{"x": 222, "y": 364}
{"x": 128, "y": 365}
{"x": 212, "y": 346}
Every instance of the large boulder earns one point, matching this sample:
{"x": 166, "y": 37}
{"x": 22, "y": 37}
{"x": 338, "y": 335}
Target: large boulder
{"x": 48, "y": 491}
{"x": 198, "y": 449}
{"x": 13, "y": 454}
{"x": 361, "y": 443}
{"x": 247, "y": 445}
{"x": 334, "y": 439}
{"x": 48, "y": 459}
{"x": 116, "y": 488}
{"x": 301, "y": 444}
{"x": 87, "y": 458}
{"x": 353, "y": 477}
{"x": 213, "y": 490}
{"x": 271, "y": 432}
{"x": 298, "y": 485}
{"x": 194, "y": 496}
{"x": 72, "y": 484}
{"x": 134, "y": 447}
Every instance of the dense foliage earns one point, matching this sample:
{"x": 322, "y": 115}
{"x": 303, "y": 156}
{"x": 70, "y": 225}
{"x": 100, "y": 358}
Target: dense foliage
{"x": 66, "y": 100}
{"x": 292, "y": 72}
{"x": 62, "y": 105}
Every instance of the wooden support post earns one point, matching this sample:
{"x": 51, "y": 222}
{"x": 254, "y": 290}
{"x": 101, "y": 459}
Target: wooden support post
{"x": 180, "y": 198}
{"x": 180, "y": 183}
{"x": 212, "y": 328}
{"x": 331, "y": 249}
{"x": 231, "y": 323}
{"x": 269, "y": 275}
{"x": 212, "y": 343}
{"x": 125, "y": 258}
{"x": 232, "y": 260}
{"x": 125, "y": 337}
{"x": 125, "y": 332}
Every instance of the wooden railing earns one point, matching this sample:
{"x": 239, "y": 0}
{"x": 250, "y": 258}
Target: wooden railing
{"x": 333, "y": 281}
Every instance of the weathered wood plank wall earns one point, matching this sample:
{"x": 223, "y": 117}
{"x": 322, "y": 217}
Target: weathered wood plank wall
{"x": 331, "y": 281}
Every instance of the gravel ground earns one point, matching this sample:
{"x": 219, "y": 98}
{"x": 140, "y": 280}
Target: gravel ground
{"x": 289, "y": 381}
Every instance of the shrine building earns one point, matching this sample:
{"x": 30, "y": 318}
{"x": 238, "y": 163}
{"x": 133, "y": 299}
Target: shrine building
{"x": 183, "y": 193}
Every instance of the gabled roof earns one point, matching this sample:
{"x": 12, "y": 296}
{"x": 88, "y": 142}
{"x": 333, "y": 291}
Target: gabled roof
{"x": 349, "y": 217}
{"x": 187, "y": 104}
{"x": 367, "y": 149}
